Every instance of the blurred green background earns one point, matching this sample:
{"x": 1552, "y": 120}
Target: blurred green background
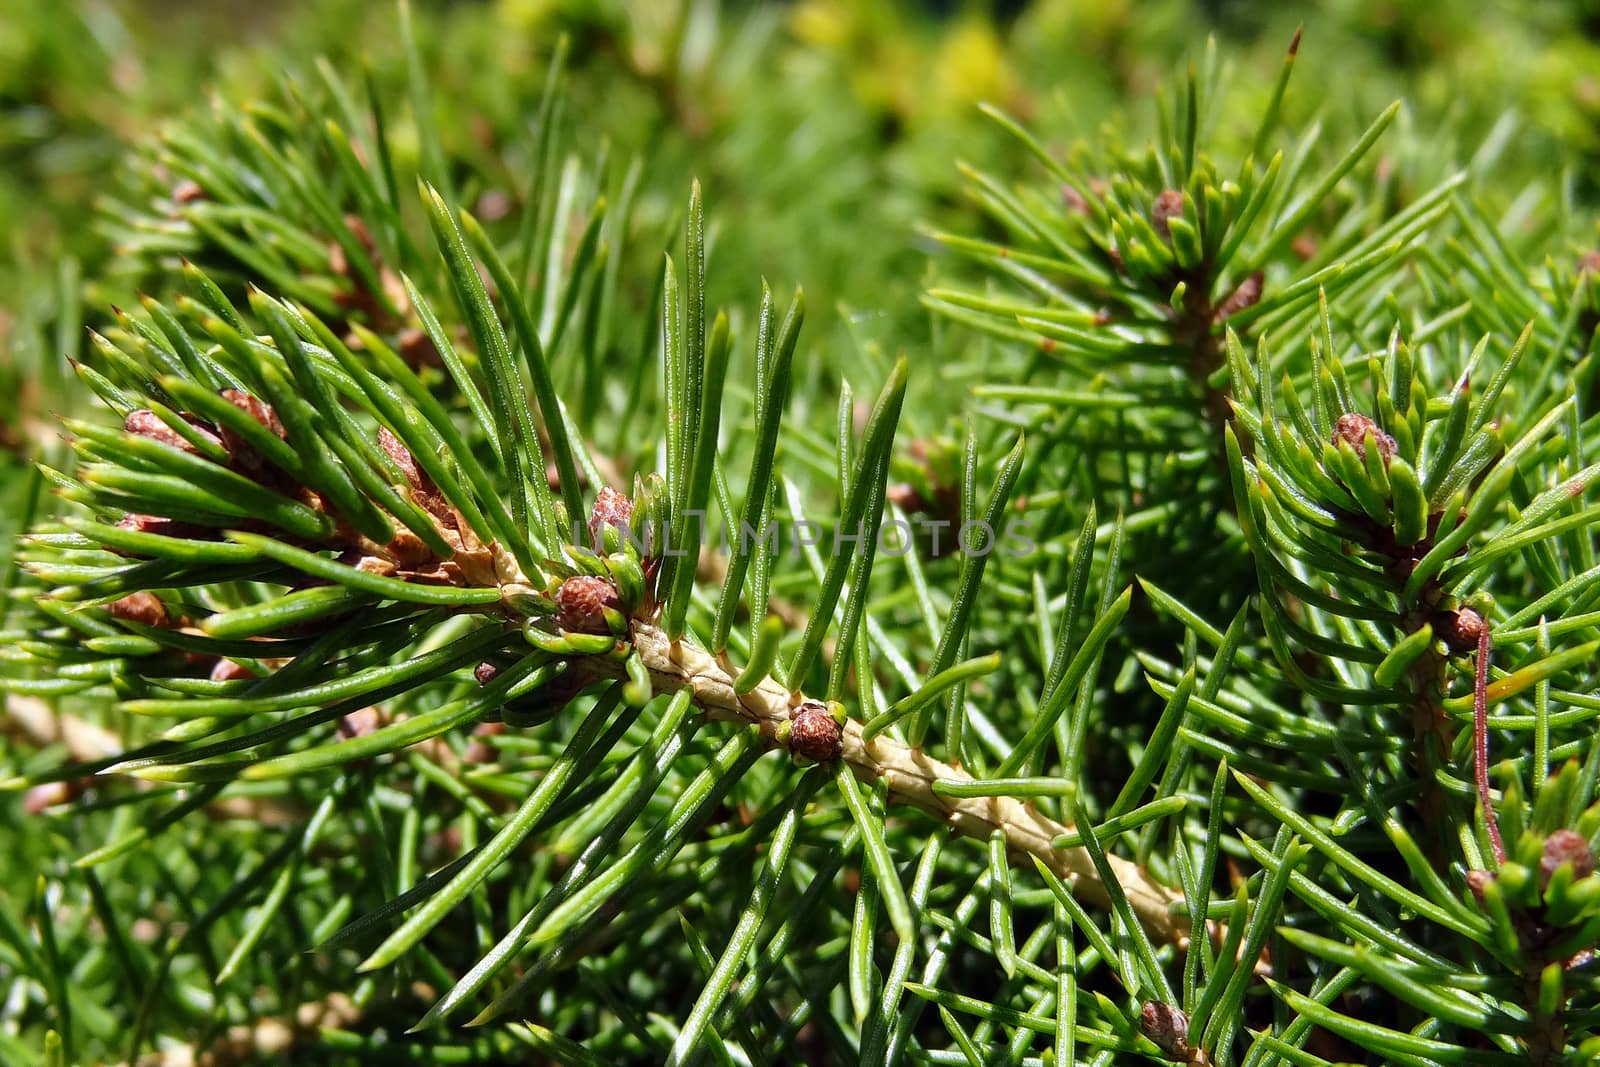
{"x": 824, "y": 131}
{"x": 831, "y": 120}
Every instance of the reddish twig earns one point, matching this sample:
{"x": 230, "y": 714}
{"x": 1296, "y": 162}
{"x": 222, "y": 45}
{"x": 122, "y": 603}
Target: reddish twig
{"x": 1480, "y": 740}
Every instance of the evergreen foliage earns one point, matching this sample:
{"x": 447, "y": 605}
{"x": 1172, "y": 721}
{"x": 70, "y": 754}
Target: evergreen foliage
{"x": 397, "y": 665}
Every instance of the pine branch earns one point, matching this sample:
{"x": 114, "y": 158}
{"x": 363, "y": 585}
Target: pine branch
{"x": 912, "y": 777}
{"x": 320, "y": 550}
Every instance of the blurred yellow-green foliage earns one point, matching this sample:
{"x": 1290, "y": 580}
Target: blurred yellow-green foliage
{"x": 827, "y": 128}
{"x": 843, "y": 114}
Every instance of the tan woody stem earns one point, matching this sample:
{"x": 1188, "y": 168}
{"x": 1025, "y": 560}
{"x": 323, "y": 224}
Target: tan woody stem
{"x": 910, "y": 774}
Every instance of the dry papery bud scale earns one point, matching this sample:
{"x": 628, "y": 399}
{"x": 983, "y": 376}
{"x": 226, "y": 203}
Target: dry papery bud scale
{"x": 1354, "y": 428}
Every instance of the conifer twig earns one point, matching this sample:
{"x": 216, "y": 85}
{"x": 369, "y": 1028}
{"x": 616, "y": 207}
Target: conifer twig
{"x": 910, "y": 774}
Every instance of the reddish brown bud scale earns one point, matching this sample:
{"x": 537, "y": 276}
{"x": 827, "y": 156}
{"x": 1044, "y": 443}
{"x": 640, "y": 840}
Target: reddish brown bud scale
{"x": 258, "y": 410}
{"x": 1460, "y": 630}
{"x": 494, "y": 205}
{"x": 358, "y": 228}
{"x": 611, "y": 509}
{"x": 1168, "y": 206}
{"x": 814, "y": 733}
{"x": 165, "y": 527}
{"x": 243, "y": 456}
{"x": 338, "y": 262}
{"x": 146, "y": 423}
{"x": 424, "y": 492}
{"x": 143, "y": 608}
{"x": 1562, "y": 848}
{"x": 187, "y": 192}
{"x": 1354, "y": 427}
{"x": 485, "y": 672}
{"x": 417, "y": 349}
{"x": 581, "y": 603}
{"x": 361, "y": 723}
{"x": 401, "y": 455}
{"x": 905, "y": 497}
{"x": 225, "y": 670}
{"x": 479, "y": 750}
{"x": 1167, "y": 1027}
{"x": 1247, "y": 295}
{"x": 50, "y": 794}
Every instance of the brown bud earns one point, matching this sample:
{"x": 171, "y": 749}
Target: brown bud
{"x": 225, "y": 670}
{"x": 814, "y": 733}
{"x": 257, "y": 409}
{"x": 243, "y": 456}
{"x": 1168, "y": 206}
{"x": 581, "y": 604}
{"x": 1074, "y": 201}
{"x": 611, "y": 509}
{"x": 1167, "y": 1027}
{"x": 338, "y": 263}
{"x": 423, "y": 491}
{"x": 494, "y": 205}
{"x": 1460, "y": 630}
{"x": 49, "y": 795}
{"x": 417, "y": 349}
{"x": 358, "y": 228}
{"x": 906, "y": 498}
{"x": 1247, "y": 295}
{"x": 1354, "y": 427}
{"x": 160, "y": 524}
{"x": 144, "y": 608}
{"x": 485, "y": 672}
{"x": 147, "y": 423}
{"x": 1589, "y": 263}
{"x": 479, "y": 751}
{"x": 360, "y": 723}
{"x": 401, "y": 455}
{"x": 187, "y": 192}
{"x": 1476, "y": 880}
{"x": 1565, "y": 847}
